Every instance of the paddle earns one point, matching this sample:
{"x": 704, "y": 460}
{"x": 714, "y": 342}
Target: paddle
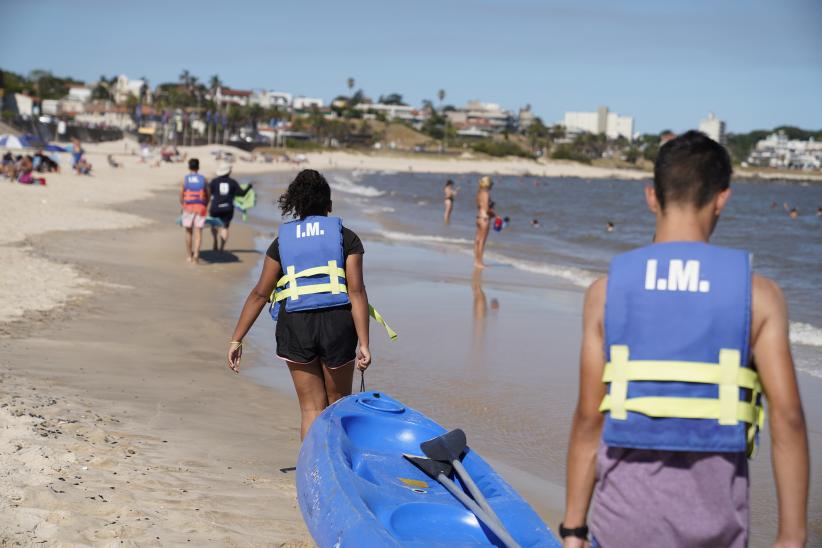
{"x": 449, "y": 448}
{"x": 439, "y": 471}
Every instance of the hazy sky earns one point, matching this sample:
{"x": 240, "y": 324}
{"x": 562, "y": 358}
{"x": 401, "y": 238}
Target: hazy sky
{"x": 756, "y": 63}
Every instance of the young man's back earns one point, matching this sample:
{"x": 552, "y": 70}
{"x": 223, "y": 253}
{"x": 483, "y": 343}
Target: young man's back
{"x": 678, "y": 342}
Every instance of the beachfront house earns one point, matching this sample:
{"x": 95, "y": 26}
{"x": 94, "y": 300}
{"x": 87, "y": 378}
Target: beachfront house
{"x": 392, "y": 112}
{"x": 478, "y": 117}
{"x": 227, "y": 96}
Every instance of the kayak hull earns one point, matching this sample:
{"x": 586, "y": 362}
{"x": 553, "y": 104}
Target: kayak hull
{"x": 356, "y": 489}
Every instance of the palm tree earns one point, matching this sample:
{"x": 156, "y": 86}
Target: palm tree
{"x": 213, "y": 83}
{"x": 350, "y": 83}
{"x": 185, "y": 78}
{"x": 441, "y": 95}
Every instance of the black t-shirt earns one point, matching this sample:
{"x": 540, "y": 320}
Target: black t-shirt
{"x": 352, "y": 245}
{"x": 223, "y": 189}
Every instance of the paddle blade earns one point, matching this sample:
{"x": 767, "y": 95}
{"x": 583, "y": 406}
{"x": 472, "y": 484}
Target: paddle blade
{"x": 432, "y": 468}
{"x": 447, "y": 447}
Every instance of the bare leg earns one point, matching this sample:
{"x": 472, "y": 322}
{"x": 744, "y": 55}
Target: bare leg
{"x": 189, "y": 254}
{"x": 310, "y": 385}
{"x": 338, "y": 381}
{"x": 214, "y": 236}
{"x": 479, "y": 242}
{"x": 449, "y": 205}
{"x": 223, "y": 238}
{"x": 198, "y": 238}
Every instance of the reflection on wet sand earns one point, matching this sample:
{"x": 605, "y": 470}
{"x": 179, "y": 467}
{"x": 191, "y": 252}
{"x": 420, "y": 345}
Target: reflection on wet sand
{"x": 480, "y": 304}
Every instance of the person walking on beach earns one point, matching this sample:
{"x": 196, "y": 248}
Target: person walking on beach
{"x": 484, "y": 215}
{"x": 450, "y": 193}
{"x": 194, "y": 199}
{"x": 317, "y": 331}
{"x": 223, "y": 189}
{"x": 680, "y": 341}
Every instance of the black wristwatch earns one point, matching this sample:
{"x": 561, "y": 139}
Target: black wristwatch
{"x": 578, "y": 532}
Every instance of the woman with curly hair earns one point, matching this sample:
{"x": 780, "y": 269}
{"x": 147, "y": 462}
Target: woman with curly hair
{"x": 313, "y": 274}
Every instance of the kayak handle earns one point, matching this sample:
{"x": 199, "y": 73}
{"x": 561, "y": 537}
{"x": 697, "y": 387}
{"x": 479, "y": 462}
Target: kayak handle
{"x": 378, "y": 404}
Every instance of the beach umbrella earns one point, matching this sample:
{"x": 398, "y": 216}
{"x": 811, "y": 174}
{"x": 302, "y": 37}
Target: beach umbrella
{"x": 54, "y": 148}
{"x": 11, "y": 141}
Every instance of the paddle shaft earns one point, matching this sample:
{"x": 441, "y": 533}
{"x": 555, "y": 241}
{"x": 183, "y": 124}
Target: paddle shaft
{"x": 497, "y": 529}
{"x": 475, "y": 492}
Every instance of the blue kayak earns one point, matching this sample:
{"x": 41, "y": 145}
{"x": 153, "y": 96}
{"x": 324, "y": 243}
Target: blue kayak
{"x": 355, "y": 489}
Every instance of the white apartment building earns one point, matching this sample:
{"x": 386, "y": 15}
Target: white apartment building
{"x": 271, "y": 99}
{"x": 79, "y": 94}
{"x": 307, "y": 103}
{"x": 125, "y": 88}
{"x": 714, "y": 128}
{"x": 225, "y": 95}
{"x": 401, "y": 112}
{"x": 602, "y": 121}
{"x": 777, "y": 151}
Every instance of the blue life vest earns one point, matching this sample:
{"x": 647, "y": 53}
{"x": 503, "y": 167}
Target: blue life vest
{"x": 312, "y": 261}
{"x": 677, "y": 330}
{"x": 194, "y": 189}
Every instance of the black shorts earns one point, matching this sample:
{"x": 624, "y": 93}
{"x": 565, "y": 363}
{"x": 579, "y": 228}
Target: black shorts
{"x": 224, "y": 216}
{"x": 328, "y": 334}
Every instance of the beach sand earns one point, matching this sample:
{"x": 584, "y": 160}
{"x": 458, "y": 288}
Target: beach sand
{"x": 120, "y": 422}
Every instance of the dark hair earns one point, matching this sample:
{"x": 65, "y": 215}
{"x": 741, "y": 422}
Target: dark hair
{"x": 692, "y": 168}
{"x": 194, "y": 164}
{"x": 308, "y": 194}
{"x": 449, "y": 182}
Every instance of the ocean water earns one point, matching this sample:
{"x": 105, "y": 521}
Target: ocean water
{"x": 571, "y": 243}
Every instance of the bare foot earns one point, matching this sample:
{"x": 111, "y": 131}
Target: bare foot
{"x": 479, "y": 265}
{"x": 195, "y": 260}
{"x": 188, "y": 259}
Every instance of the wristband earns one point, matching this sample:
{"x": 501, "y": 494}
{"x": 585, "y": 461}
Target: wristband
{"x": 577, "y": 532}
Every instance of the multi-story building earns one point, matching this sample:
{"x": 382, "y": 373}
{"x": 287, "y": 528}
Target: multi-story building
{"x": 307, "y": 103}
{"x": 391, "y": 112}
{"x": 481, "y": 117}
{"x": 600, "y": 122}
{"x": 271, "y": 99}
{"x": 714, "y": 128}
{"x": 124, "y": 88}
{"x": 777, "y": 151}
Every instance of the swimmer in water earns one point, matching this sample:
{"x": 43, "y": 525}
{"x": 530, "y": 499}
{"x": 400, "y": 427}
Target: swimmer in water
{"x": 793, "y": 213}
{"x": 535, "y": 223}
{"x": 609, "y": 227}
{"x": 819, "y": 212}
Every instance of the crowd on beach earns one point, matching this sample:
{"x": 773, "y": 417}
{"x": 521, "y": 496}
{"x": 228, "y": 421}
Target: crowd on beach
{"x": 322, "y": 334}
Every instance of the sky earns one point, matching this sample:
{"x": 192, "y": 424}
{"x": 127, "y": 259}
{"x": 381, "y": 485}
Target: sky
{"x": 756, "y": 64}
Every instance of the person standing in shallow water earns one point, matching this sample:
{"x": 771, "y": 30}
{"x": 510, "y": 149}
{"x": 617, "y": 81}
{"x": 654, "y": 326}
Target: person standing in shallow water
{"x": 679, "y": 340}
{"x": 485, "y": 213}
{"x": 450, "y": 193}
{"x": 317, "y": 332}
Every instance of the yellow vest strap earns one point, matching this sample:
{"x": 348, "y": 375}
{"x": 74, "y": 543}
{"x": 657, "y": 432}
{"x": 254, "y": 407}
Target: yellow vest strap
{"x": 379, "y": 319}
{"x": 314, "y": 271}
{"x": 674, "y": 371}
{"x": 295, "y": 292}
{"x": 685, "y": 408}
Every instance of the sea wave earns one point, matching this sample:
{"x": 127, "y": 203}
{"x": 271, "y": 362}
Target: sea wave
{"x": 805, "y": 333}
{"x": 577, "y": 276}
{"x": 343, "y": 184}
{"x": 423, "y": 238}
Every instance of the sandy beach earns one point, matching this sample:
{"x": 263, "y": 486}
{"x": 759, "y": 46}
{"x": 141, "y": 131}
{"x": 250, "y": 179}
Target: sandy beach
{"x": 119, "y": 422}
